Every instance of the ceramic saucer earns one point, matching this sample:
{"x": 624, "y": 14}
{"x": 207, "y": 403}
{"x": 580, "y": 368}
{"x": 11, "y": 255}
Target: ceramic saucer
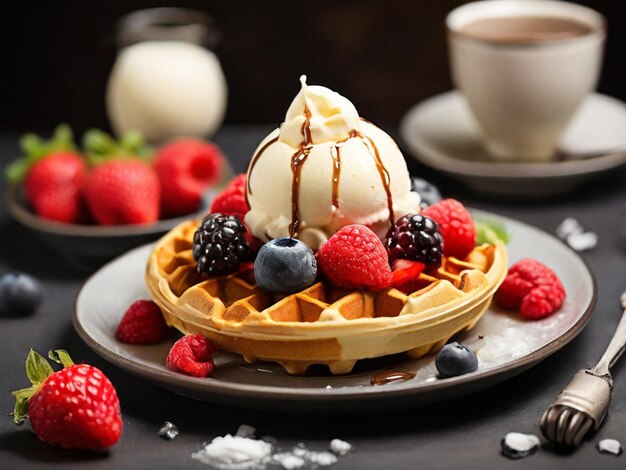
{"x": 440, "y": 132}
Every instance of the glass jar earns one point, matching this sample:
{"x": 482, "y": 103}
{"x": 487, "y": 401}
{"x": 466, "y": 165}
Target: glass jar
{"x": 166, "y": 82}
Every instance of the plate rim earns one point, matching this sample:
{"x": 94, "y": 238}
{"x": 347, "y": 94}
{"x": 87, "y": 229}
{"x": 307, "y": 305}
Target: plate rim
{"x": 218, "y": 388}
{"x": 421, "y": 150}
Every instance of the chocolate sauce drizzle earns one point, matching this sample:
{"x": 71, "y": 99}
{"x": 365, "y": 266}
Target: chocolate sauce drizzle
{"x": 336, "y": 174}
{"x": 254, "y": 161}
{"x": 297, "y": 163}
{"x": 382, "y": 171}
{"x": 386, "y": 376}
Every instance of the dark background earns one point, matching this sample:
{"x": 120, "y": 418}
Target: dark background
{"x": 384, "y": 55}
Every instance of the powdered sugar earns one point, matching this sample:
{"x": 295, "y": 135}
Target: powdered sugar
{"x": 244, "y": 452}
{"x": 235, "y": 453}
{"x": 500, "y": 348}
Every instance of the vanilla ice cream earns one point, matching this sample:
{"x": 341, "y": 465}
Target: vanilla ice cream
{"x": 324, "y": 168}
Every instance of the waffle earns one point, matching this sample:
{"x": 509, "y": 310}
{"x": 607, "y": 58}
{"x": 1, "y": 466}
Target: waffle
{"x": 321, "y": 324}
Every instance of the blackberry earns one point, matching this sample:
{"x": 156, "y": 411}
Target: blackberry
{"x": 415, "y": 237}
{"x": 219, "y": 245}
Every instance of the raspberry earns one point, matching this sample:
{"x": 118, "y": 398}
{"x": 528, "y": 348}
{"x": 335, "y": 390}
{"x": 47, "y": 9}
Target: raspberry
{"x": 232, "y": 200}
{"x": 415, "y": 237}
{"x": 456, "y": 227}
{"x": 355, "y": 258}
{"x": 192, "y": 355}
{"x": 142, "y": 323}
{"x": 220, "y": 245}
{"x": 186, "y": 167}
{"x": 532, "y": 288}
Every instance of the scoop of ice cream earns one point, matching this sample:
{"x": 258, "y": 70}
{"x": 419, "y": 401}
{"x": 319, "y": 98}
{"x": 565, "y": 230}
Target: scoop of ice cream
{"x": 325, "y": 168}
{"x": 330, "y": 116}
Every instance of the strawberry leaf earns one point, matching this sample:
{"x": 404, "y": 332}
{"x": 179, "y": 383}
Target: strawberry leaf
{"x": 61, "y": 356}
{"x": 100, "y": 147}
{"x": 21, "y": 402}
{"x": 16, "y": 170}
{"x": 34, "y": 148}
{"x": 37, "y": 367}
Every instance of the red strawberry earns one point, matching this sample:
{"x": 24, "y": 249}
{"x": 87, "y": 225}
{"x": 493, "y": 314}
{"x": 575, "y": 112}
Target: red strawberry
{"x": 143, "y": 323}
{"x": 232, "y": 200}
{"x": 53, "y": 187}
{"x": 122, "y": 192}
{"x": 192, "y": 355}
{"x": 405, "y": 271}
{"x": 455, "y": 225}
{"x": 355, "y": 258}
{"x": 186, "y": 168}
{"x": 532, "y": 288}
{"x": 76, "y": 407}
{"x": 52, "y": 172}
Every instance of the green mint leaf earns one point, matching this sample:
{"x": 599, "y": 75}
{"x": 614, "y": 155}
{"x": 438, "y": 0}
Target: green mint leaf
{"x": 489, "y": 231}
{"x": 61, "y": 356}
{"x": 37, "y": 367}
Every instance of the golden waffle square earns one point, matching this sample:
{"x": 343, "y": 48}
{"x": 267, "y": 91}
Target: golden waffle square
{"x": 321, "y": 324}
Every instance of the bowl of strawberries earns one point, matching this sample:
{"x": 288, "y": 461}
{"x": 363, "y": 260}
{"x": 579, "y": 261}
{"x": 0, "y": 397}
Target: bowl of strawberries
{"x": 93, "y": 203}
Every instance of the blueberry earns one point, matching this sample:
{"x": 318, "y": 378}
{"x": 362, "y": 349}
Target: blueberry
{"x": 284, "y": 266}
{"x": 19, "y": 293}
{"x": 429, "y": 193}
{"x": 455, "y": 359}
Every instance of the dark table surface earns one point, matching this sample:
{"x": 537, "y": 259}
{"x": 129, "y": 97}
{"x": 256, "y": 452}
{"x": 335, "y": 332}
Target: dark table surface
{"x": 463, "y": 433}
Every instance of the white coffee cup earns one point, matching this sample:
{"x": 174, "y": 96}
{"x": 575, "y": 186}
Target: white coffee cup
{"x": 524, "y": 95}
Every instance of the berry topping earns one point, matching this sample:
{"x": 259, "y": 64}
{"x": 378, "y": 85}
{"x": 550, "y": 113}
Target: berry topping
{"x": 76, "y": 407}
{"x": 355, "y": 258}
{"x": 232, "y": 200}
{"x": 455, "y": 359}
{"x": 19, "y": 293}
{"x": 415, "y": 237}
{"x": 219, "y": 244}
{"x": 186, "y": 168}
{"x": 456, "y": 227}
{"x": 429, "y": 193}
{"x": 284, "y": 266}
{"x": 532, "y": 288}
{"x": 142, "y": 323}
{"x": 192, "y": 355}
{"x": 405, "y": 271}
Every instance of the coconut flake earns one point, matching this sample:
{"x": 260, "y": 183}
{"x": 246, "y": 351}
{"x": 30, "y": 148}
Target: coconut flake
{"x": 610, "y": 446}
{"x": 516, "y": 445}
{"x": 339, "y": 447}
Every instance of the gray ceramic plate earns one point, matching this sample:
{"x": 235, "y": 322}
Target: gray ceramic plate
{"x": 506, "y": 344}
{"x": 441, "y": 133}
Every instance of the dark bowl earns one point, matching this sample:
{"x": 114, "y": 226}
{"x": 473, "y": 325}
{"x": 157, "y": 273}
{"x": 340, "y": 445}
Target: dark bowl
{"x": 87, "y": 247}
